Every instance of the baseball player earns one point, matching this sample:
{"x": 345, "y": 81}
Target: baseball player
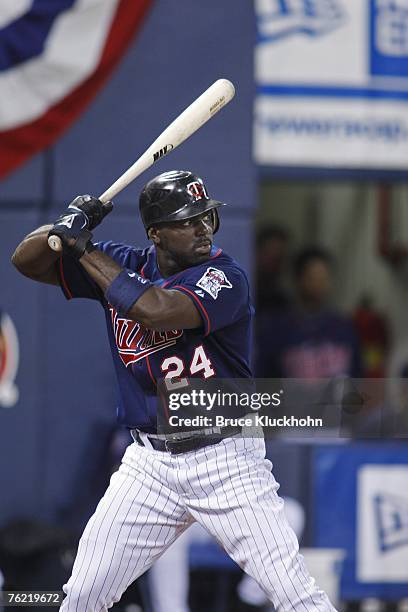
{"x": 180, "y": 308}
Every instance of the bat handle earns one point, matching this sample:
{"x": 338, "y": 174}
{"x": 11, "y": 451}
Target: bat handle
{"x": 54, "y": 242}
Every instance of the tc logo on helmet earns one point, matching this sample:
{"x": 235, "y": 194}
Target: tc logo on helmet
{"x": 197, "y": 190}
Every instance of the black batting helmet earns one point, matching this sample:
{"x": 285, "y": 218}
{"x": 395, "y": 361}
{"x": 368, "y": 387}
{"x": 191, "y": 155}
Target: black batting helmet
{"x": 175, "y": 196}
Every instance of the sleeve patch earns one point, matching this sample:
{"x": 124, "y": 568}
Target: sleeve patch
{"x": 212, "y": 281}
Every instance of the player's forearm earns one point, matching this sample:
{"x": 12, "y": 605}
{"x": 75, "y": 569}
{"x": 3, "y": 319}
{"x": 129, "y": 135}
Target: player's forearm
{"x": 100, "y": 267}
{"x": 156, "y": 308}
{"x": 34, "y": 258}
{"x": 164, "y": 309}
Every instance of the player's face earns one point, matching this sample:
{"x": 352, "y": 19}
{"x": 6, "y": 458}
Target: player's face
{"x": 187, "y": 243}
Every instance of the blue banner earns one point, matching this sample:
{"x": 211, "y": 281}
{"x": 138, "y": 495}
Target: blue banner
{"x": 362, "y": 490}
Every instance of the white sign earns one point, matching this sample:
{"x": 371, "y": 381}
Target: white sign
{"x": 382, "y": 523}
{"x": 332, "y": 83}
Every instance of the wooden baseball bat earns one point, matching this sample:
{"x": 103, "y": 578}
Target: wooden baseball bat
{"x": 193, "y": 117}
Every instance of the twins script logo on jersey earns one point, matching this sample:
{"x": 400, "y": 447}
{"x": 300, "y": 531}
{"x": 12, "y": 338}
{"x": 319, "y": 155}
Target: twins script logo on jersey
{"x": 213, "y": 281}
{"x": 9, "y": 358}
{"x": 197, "y": 190}
{"x": 278, "y": 19}
{"x": 136, "y": 342}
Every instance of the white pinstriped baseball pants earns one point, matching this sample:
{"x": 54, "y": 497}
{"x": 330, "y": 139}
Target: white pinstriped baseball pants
{"x": 154, "y": 496}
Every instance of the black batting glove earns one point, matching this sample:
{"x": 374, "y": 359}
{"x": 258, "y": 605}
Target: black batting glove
{"x": 94, "y": 210}
{"x": 72, "y": 229}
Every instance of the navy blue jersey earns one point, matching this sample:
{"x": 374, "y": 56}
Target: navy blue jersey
{"x": 220, "y": 347}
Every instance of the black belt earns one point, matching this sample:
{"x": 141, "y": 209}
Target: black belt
{"x": 176, "y": 447}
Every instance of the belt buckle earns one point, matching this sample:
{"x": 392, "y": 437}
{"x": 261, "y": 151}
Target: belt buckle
{"x": 168, "y": 446}
{"x": 176, "y": 447}
{"x": 175, "y": 440}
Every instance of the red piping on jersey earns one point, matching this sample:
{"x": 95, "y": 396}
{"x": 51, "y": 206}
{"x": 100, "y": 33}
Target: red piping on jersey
{"x": 193, "y": 295}
{"x": 149, "y": 369}
{"x": 142, "y": 270}
{"x": 64, "y": 282}
{"x": 173, "y": 278}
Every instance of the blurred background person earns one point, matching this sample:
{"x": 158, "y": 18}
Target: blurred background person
{"x": 272, "y": 265}
{"x": 373, "y": 330}
{"x": 312, "y": 339}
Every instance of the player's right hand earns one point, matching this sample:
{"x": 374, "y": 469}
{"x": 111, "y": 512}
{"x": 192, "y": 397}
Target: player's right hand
{"x": 93, "y": 209}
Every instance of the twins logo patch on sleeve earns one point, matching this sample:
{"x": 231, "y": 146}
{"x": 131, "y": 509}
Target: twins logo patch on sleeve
{"x": 212, "y": 281}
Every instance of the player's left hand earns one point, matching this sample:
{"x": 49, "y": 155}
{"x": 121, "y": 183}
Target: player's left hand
{"x": 72, "y": 229}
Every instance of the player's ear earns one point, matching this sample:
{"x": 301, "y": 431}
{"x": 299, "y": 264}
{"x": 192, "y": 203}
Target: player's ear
{"x": 154, "y": 235}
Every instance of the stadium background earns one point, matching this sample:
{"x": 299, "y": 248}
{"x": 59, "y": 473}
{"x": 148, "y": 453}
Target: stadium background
{"x": 52, "y": 438}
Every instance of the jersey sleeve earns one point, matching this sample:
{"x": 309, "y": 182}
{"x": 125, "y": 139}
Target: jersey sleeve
{"x": 220, "y": 294}
{"x": 76, "y": 283}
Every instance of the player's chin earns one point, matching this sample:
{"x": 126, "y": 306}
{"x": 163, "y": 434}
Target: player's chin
{"x": 201, "y": 253}
{"x": 203, "y": 249}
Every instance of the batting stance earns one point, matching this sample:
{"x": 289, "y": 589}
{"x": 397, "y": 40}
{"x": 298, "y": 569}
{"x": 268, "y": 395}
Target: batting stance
{"x": 180, "y": 308}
